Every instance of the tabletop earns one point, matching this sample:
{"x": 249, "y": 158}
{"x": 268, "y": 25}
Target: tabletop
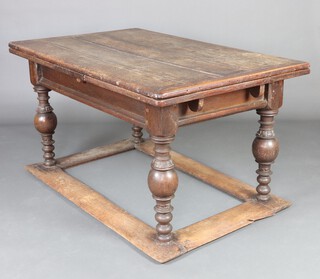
{"x": 156, "y": 65}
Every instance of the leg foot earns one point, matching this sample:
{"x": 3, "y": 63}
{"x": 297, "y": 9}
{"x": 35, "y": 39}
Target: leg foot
{"x": 163, "y": 182}
{"x": 265, "y": 149}
{"x": 45, "y": 121}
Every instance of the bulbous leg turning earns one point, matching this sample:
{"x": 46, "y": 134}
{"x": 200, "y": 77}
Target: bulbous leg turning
{"x": 137, "y": 134}
{"x": 163, "y": 182}
{"x": 45, "y": 121}
{"x": 265, "y": 149}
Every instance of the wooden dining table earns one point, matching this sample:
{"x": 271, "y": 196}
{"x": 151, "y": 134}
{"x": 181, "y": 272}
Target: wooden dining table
{"x": 159, "y": 83}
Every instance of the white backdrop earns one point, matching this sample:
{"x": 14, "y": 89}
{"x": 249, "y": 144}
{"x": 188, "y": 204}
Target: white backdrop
{"x": 288, "y": 28}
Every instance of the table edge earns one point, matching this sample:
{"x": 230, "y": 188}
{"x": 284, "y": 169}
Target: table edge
{"x": 155, "y": 98}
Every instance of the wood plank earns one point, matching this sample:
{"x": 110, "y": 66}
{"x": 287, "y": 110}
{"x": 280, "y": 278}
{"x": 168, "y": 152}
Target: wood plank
{"x": 156, "y": 65}
{"x": 223, "y": 223}
{"x": 142, "y": 235}
{"x": 129, "y": 227}
{"x": 95, "y": 154}
{"x": 112, "y": 66}
{"x": 176, "y": 97}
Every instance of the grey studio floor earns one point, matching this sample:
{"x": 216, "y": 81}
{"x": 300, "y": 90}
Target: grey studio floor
{"x": 42, "y": 235}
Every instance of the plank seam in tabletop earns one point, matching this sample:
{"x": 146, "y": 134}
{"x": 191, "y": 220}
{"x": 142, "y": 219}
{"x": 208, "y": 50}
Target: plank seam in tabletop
{"x": 187, "y": 89}
{"x": 230, "y": 74}
{"x": 111, "y": 80}
{"x": 131, "y": 54}
{"x": 167, "y": 101}
{"x": 40, "y": 60}
{"x": 148, "y": 58}
{"x": 188, "y": 40}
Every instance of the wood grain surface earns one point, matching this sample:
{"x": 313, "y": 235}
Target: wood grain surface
{"x": 141, "y": 235}
{"x": 153, "y": 64}
{"x": 159, "y": 82}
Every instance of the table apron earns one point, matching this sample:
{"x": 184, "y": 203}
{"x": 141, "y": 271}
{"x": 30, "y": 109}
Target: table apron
{"x": 133, "y": 110}
{"x": 222, "y": 105}
{"x": 102, "y": 99}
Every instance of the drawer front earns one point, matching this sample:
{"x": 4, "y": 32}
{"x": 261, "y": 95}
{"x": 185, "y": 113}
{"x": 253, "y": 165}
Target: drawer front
{"x": 221, "y": 105}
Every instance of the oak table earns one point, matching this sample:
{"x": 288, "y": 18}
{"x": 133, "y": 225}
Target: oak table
{"x": 159, "y": 82}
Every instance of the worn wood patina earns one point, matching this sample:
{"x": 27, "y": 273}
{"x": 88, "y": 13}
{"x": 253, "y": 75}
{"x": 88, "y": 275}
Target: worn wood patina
{"x": 159, "y": 82}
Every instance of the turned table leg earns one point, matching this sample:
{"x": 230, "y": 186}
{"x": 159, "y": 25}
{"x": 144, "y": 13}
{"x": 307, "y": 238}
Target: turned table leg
{"x": 265, "y": 149}
{"x": 45, "y": 121}
{"x": 163, "y": 182}
{"x": 137, "y": 134}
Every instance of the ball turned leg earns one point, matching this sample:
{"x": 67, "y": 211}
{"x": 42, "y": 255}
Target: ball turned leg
{"x": 137, "y": 134}
{"x": 45, "y": 121}
{"x": 265, "y": 149}
{"x": 163, "y": 182}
